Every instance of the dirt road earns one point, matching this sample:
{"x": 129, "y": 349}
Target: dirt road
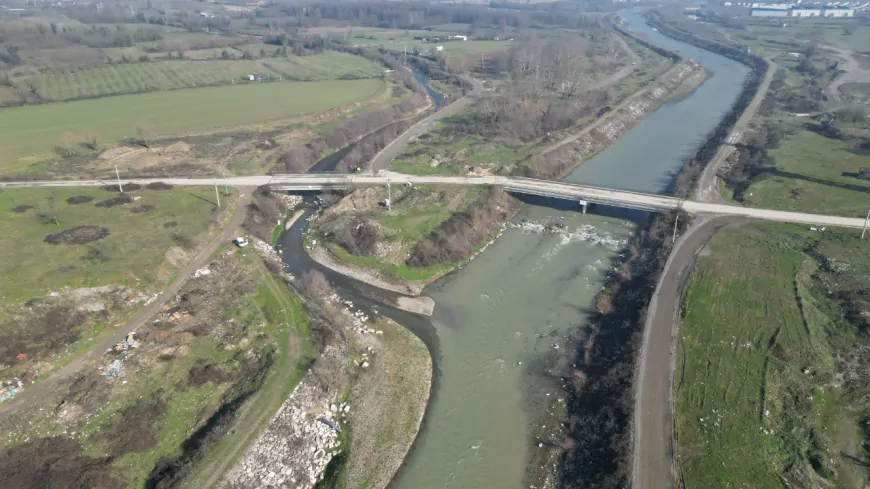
{"x": 851, "y": 72}
{"x": 382, "y": 160}
{"x": 36, "y": 393}
{"x": 707, "y": 188}
{"x": 653, "y": 453}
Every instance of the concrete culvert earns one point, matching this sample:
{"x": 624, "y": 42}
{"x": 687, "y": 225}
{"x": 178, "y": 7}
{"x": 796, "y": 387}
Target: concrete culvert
{"x": 79, "y": 199}
{"x": 77, "y": 235}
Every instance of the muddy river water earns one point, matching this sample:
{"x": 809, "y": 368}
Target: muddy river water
{"x": 503, "y": 320}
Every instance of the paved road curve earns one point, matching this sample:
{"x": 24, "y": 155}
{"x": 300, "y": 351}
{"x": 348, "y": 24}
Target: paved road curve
{"x": 620, "y": 198}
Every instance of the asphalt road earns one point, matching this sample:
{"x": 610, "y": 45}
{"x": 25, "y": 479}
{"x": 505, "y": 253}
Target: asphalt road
{"x": 653, "y": 453}
{"x": 35, "y": 394}
{"x": 520, "y": 185}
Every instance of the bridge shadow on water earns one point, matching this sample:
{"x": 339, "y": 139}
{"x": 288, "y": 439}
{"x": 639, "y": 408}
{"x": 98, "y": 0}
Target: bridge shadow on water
{"x": 633, "y": 215}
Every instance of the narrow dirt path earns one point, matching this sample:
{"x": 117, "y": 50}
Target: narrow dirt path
{"x": 850, "y": 73}
{"x": 707, "y": 188}
{"x": 36, "y": 393}
{"x": 382, "y": 160}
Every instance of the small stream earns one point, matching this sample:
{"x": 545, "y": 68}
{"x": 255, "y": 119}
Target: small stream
{"x": 505, "y": 323}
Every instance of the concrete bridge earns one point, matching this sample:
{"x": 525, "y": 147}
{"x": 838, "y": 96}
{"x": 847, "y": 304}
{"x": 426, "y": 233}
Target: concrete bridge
{"x": 582, "y": 194}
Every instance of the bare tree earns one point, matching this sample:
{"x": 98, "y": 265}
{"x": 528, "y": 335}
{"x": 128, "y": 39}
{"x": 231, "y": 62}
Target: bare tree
{"x": 92, "y": 139}
{"x": 67, "y": 141}
{"x": 146, "y": 133}
{"x": 315, "y": 285}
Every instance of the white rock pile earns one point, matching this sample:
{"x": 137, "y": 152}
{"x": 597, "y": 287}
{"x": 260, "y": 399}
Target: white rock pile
{"x": 296, "y": 445}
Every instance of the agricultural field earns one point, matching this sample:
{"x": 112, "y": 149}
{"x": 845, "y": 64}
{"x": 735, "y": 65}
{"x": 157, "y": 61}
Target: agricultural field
{"x": 32, "y": 131}
{"x": 768, "y": 353}
{"x": 141, "y": 77}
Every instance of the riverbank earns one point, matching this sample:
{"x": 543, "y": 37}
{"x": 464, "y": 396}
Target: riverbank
{"x": 602, "y": 387}
{"x": 559, "y": 161}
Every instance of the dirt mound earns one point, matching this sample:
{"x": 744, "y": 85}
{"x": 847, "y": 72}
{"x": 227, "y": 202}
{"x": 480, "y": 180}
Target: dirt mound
{"x": 54, "y": 462}
{"x": 119, "y": 200}
{"x": 159, "y": 186}
{"x": 79, "y": 199}
{"x": 21, "y": 208}
{"x": 178, "y": 148}
{"x": 142, "y": 208}
{"x": 135, "y": 428}
{"x": 129, "y": 186}
{"x": 113, "y": 153}
{"x": 77, "y": 235}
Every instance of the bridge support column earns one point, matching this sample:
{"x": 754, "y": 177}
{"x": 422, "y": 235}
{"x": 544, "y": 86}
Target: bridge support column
{"x": 584, "y": 204}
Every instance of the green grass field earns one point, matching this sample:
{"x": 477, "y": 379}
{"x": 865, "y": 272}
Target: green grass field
{"x": 810, "y": 177}
{"x": 757, "y": 400}
{"x": 138, "y": 77}
{"x": 135, "y": 246}
{"x": 36, "y": 130}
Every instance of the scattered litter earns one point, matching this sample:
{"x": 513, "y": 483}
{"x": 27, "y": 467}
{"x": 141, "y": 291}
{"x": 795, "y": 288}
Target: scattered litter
{"x": 202, "y": 272}
{"x": 128, "y": 343}
{"x": 115, "y": 370}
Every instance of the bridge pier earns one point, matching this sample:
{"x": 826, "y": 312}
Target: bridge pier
{"x": 584, "y": 204}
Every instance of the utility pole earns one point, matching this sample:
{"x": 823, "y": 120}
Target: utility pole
{"x": 481, "y": 61}
{"x": 405, "y": 56}
{"x": 217, "y": 195}
{"x": 118, "y": 175}
{"x": 674, "y": 237}
{"x": 389, "y": 196}
{"x": 864, "y": 227}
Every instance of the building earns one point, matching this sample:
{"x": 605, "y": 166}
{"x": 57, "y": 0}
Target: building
{"x": 800, "y": 10}
{"x": 769, "y": 11}
{"x": 807, "y": 12}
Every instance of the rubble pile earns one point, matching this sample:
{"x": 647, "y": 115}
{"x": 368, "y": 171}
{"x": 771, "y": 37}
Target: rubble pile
{"x": 296, "y": 445}
{"x": 357, "y": 318}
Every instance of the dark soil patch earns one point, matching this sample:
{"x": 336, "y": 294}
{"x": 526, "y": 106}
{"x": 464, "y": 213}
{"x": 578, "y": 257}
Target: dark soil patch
{"x": 90, "y": 391}
{"x": 21, "y": 208}
{"x": 78, "y": 235}
{"x": 119, "y": 200}
{"x": 142, "y": 208}
{"x": 42, "y": 330}
{"x": 56, "y": 463}
{"x": 124, "y": 187}
{"x": 159, "y": 186}
{"x": 169, "y": 224}
{"x": 79, "y": 199}
{"x": 201, "y": 374}
{"x": 134, "y": 429}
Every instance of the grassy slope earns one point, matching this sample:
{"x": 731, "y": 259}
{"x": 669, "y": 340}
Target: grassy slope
{"x": 136, "y": 245}
{"x": 32, "y": 130}
{"x": 813, "y": 165}
{"x": 746, "y": 411}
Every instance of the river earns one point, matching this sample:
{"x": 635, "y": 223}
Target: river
{"x": 502, "y": 321}
{"x": 508, "y": 319}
